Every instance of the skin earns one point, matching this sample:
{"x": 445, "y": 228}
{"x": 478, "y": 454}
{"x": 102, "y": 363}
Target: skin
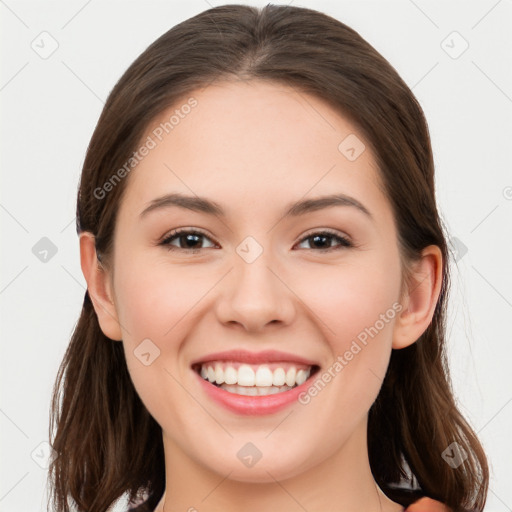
{"x": 254, "y": 148}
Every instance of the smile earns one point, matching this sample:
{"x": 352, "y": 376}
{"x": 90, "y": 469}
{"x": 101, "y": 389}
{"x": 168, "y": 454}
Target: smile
{"x": 254, "y": 380}
{"x": 255, "y": 390}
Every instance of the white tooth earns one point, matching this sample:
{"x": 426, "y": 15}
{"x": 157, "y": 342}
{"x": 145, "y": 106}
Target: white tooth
{"x": 301, "y": 377}
{"x": 263, "y": 376}
{"x": 263, "y": 390}
{"x": 251, "y": 391}
{"x": 278, "y": 377}
{"x": 290, "y": 377}
{"x": 230, "y": 375}
{"x": 219, "y": 374}
{"x": 270, "y": 390}
{"x": 245, "y": 375}
{"x": 254, "y": 390}
{"x": 211, "y": 374}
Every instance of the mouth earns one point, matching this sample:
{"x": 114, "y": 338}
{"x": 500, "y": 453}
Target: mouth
{"x": 240, "y": 378}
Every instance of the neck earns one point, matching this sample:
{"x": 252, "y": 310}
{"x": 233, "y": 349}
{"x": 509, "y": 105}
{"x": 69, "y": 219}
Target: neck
{"x": 342, "y": 482}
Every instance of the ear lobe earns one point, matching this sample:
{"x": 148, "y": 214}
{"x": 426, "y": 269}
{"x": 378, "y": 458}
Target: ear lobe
{"x": 99, "y": 288}
{"x": 421, "y": 298}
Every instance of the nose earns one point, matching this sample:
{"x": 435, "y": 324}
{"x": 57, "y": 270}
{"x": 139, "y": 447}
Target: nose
{"x": 255, "y": 295}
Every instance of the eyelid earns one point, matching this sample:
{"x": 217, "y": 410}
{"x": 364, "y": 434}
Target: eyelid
{"x": 326, "y": 231}
{"x": 187, "y": 229}
{"x": 347, "y": 240}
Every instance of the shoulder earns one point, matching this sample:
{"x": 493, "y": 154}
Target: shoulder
{"x": 427, "y": 505}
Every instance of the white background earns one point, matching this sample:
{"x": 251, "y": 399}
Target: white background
{"x": 50, "y": 108}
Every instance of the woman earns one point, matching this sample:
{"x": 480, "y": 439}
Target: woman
{"x": 267, "y": 276}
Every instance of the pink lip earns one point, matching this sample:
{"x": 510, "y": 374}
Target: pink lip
{"x": 253, "y": 405}
{"x": 244, "y": 356}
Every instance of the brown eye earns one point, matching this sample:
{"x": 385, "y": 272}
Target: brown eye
{"x": 322, "y": 241}
{"x": 188, "y": 240}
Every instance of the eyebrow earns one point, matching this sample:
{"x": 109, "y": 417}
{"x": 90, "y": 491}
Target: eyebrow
{"x": 209, "y": 207}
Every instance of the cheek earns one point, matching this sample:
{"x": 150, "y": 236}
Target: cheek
{"x": 356, "y": 307}
{"x": 153, "y": 305}
{"x": 155, "y": 299}
{"x": 348, "y": 298}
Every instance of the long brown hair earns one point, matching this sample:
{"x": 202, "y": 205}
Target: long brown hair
{"x": 106, "y": 443}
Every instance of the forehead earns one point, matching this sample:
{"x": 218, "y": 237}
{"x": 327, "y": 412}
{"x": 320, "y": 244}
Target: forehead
{"x": 248, "y": 142}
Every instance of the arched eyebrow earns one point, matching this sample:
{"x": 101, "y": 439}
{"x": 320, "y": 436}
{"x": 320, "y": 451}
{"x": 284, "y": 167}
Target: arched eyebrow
{"x": 209, "y": 207}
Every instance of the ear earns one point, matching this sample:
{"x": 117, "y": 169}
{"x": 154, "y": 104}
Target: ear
{"x": 99, "y": 287}
{"x": 420, "y": 298}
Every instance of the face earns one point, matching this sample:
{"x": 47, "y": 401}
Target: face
{"x": 320, "y": 284}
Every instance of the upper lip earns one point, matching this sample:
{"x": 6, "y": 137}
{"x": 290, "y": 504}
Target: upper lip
{"x": 244, "y": 356}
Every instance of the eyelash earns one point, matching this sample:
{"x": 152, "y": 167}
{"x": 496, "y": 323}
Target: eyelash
{"x": 344, "y": 242}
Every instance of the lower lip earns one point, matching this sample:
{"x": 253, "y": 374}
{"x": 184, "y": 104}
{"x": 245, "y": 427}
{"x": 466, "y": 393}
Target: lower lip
{"x": 253, "y": 405}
